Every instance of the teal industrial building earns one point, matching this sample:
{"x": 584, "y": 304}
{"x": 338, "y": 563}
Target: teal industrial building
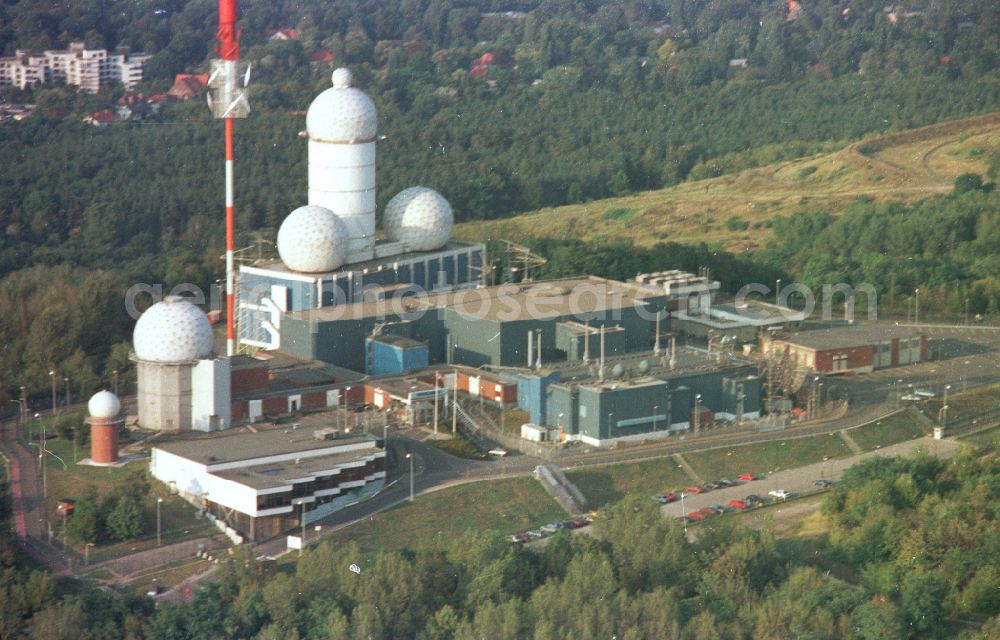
{"x": 508, "y": 325}
{"x": 639, "y": 395}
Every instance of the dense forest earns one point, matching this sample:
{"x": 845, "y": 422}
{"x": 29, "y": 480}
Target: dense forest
{"x": 583, "y": 99}
{"x": 907, "y": 549}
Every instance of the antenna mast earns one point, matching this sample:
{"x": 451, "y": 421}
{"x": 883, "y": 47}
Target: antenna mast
{"x": 227, "y": 101}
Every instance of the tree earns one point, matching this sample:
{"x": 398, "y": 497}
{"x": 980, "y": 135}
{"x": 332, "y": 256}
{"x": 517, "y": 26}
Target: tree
{"x": 968, "y": 182}
{"x": 125, "y": 521}
{"x": 83, "y": 525}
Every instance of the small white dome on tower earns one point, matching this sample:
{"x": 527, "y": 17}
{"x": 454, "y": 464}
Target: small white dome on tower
{"x": 173, "y": 330}
{"x": 104, "y": 404}
{"x": 420, "y": 217}
{"x": 313, "y": 239}
{"x": 342, "y": 113}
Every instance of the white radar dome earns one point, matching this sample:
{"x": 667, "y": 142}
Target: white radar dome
{"x": 104, "y": 404}
{"x": 173, "y": 330}
{"x": 313, "y": 239}
{"x": 342, "y": 113}
{"x": 420, "y": 217}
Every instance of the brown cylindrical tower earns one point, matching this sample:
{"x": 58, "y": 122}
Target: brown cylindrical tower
{"x": 104, "y": 420}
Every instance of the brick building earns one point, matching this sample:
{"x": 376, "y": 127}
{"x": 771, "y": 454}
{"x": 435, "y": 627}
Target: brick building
{"x": 860, "y": 348}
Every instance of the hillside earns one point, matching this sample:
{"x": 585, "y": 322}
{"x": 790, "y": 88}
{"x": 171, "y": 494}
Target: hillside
{"x": 899, "y": 167}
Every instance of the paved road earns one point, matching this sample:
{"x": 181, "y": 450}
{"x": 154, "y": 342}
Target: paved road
{"x": 800, "y": 480}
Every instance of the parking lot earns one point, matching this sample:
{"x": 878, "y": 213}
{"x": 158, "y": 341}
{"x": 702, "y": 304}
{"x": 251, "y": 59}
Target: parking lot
{"x": 801, "y": 480}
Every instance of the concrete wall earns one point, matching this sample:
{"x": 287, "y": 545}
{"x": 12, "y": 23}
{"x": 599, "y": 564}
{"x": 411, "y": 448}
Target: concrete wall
{"x": 164, "y": 395}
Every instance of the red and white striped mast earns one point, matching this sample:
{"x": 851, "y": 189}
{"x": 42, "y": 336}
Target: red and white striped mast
{"x": 227, "y": 101}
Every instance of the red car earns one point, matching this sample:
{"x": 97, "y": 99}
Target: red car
{"x": 707, "y": 511}
{"x": 738, "y": 504}
{"x": 748, "y": 477}
{"x": 694, "y": 489}
{"x": 669, "y": 497}
{"x": 696, "y": 515}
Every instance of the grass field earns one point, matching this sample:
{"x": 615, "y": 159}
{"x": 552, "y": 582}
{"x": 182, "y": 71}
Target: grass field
{"x": 459, "y": 446}
{"x": 503, "y": 506}
{"x": 766, "y": 457}
{"x": 178, "y": 519}
{"x": 905, "y": 166}
{"x": 887, "y": 431}
{"x": 988, "y": 438}
{"x": 605, "y": 484}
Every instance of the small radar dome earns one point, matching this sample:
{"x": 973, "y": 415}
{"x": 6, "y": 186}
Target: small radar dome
{"x": 618, "y": 370}
{"x": 644, "y": 366}
{"x": 419, "y": 217}
{"x": 342, "y": 113}
{"x": 313, "y": 239}
{"x": 104, "y": 404}
{"x": 173, "y": 330}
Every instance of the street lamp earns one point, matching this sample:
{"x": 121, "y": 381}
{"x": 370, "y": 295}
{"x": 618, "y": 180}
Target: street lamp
{"x": 159, "y": 501}
{"x": 916, "y": 306}
{"x": 946, "y": 388}
{"x": 896, "y": 391}
{"x": 436, "y": 376}
{"x": 777, "y": 291}
{"x": 697, "y": 412}
{"x": 684, "y": 515}
{"x": 86, "y": 553}
{"x": 656, "y": 408}
{"x": 611, "y": 421}
{"x": 66, "y": 380}
{"x": 409, "y": 456}
{"x": 52, "y": 374}
{"x": 965, "y": 375}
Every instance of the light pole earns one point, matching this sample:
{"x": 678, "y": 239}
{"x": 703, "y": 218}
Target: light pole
{"x": 52, "y": 374}
{"x": 41, "y": 463}
{"x": 896, "y": 391}
{"x": 86, "y": 553}
{"x": 20, "y": 414}
{"x": 435, "y": 402}
{"x": 66, "y": 380}
{"x": 302, "y": 543}
{"x": 684, "y": 515}
{"x": 454, "y": 408}
{"x": 611, "y": 419}
{"x": 159, "y": 501}
{"x": 916, "y": 306}
{"x": 697, "y": 412}
{"x": 777, "y": 291}
{"x": 409, "y": 456}
{"x": 965, "y": 375}
{"x": 946, "y": 388}
{"x": 656, "y": 408}
{"x": 966, "y": 311}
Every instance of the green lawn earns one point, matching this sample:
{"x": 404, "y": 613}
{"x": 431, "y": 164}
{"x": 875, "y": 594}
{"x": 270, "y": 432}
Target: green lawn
{"x": 887, "y": 431}
{"x": 504, "y": 506}
{"x": 988, "y": 438}
{"x": 608, "y": 483}
{"x": 766, "y": 457}
{"x": 178, "y": 518}
{"x": 459, "y": 446}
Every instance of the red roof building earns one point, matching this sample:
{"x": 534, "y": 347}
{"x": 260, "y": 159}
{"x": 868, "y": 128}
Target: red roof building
{"x": 187, "y": 86}
{"x": 281, "y": 34}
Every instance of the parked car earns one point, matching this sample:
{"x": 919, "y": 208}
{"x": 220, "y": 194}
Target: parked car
{"x": 713, "y": 485}
{"x": 552, "y": 527}
{"x": 754, "y": 500}
{"x": 519, "y": 537}
{"x": 748, "y": 477}
{"x": 695, "y": 489}
{"x": 696, "y": 515}
{"x": 726, "y": 482}
{"x": 670, "y": 497}
{"x": 718, "y": 508}
{"x": 535, "y": 533}
{"x": 577, "y": 523}
{"x": 738, "y": 504}
{"x": 707, "y": 511}
{"x": 499, "y": 453}
{"x": 822, "y": 482}
{"x": 781, "y": 494}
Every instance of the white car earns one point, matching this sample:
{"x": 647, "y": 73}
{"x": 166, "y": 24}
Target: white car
{"x": 535, "y": 533}
{"x": 780, "y": 493}
{"x": 499, "y": 453}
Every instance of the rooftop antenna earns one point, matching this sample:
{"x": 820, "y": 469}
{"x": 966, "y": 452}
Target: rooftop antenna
{"x": 227, "y": 100}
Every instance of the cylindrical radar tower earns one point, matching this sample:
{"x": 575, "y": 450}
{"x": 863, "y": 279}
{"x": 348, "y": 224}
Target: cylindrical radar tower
{"x": 105, "y": 420}
{"x": 341, "y": 124}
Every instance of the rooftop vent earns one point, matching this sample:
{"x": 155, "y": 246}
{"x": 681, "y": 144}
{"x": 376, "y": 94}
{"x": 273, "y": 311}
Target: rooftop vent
{"x": 326, "y": 434}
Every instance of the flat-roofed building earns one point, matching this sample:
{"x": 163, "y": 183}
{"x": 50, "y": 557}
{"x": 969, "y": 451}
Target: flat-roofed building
{"x": 857, "y": 348}
{"x": 259, "y": 485}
